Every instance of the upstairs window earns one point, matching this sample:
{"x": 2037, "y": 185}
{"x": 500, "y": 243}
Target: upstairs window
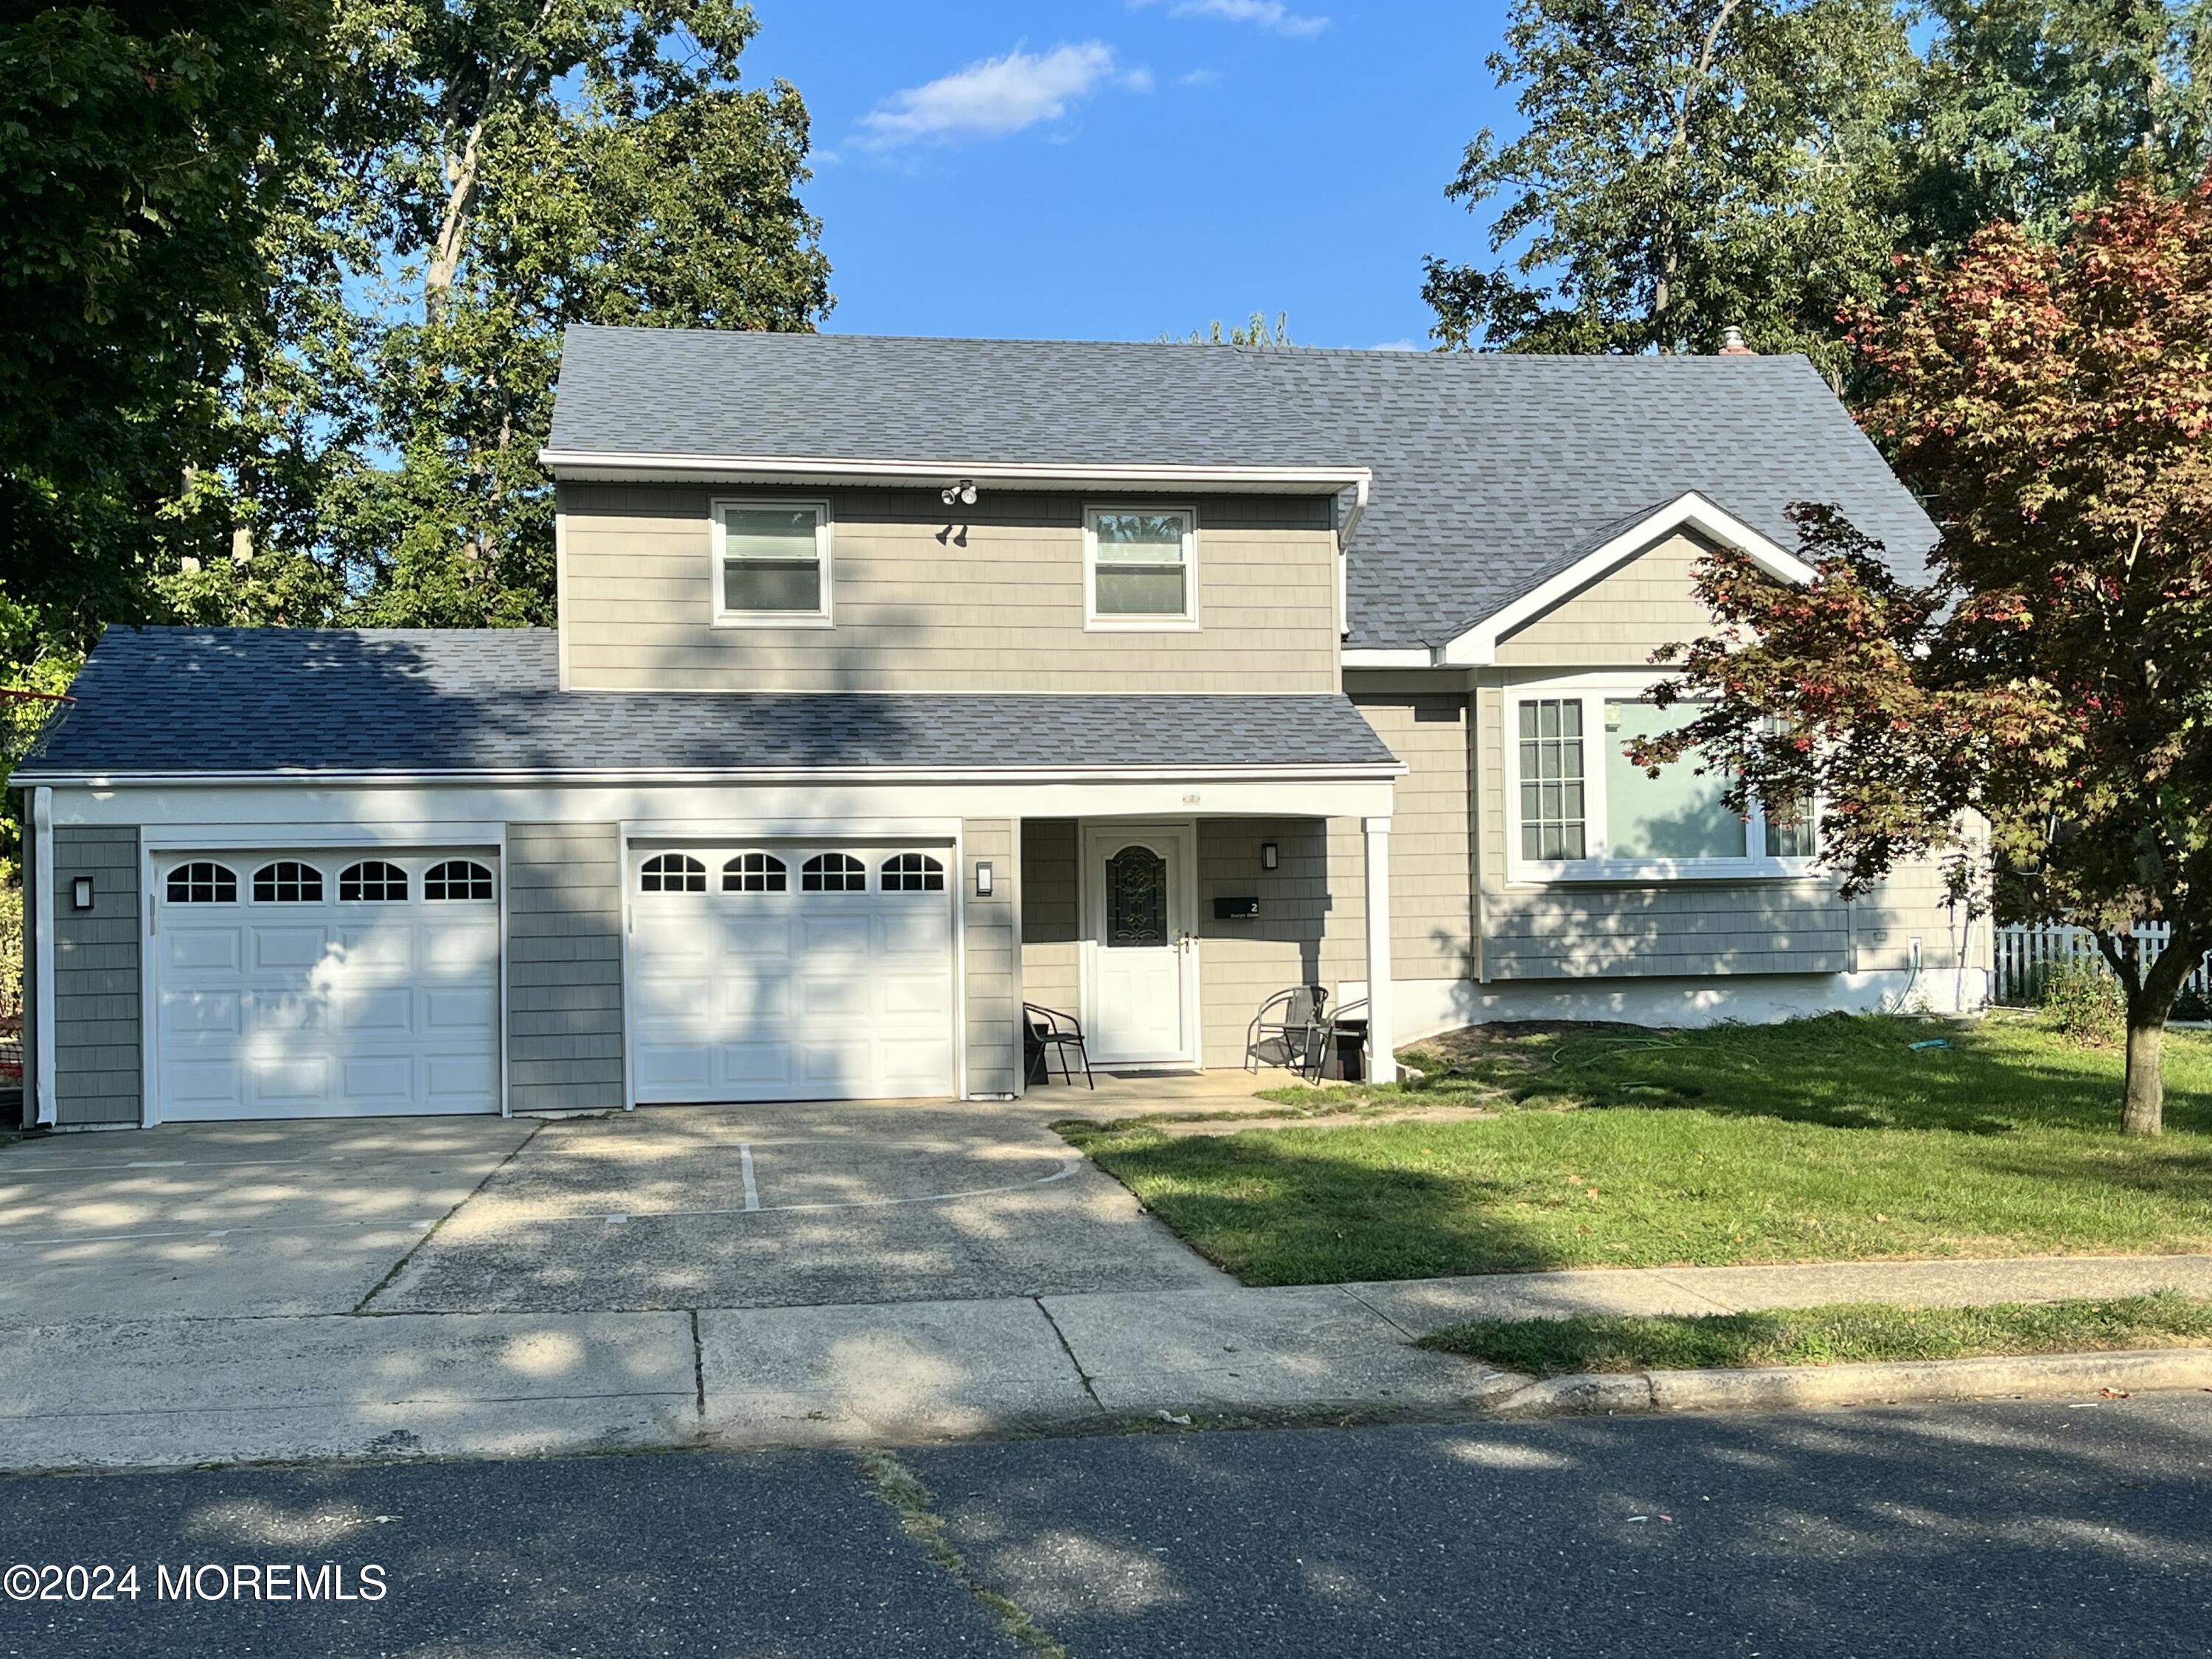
{"x": 1141, "y": 568}
{"x": 913, "y": 872}
{"x": 371, "y": 882}
{"x": 771, "y": 564}
{"x": 287, "y": 882}
{"x": 833, "y": 873}
{"x": 203, "y": 882}
{"x": 754, "y": 872}
{"x": 671, "y": 872}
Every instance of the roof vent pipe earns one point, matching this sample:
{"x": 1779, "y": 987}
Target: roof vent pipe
{"x": 1732, "y": 344}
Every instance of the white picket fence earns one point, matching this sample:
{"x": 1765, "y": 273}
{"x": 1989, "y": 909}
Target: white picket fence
{"x": 2026, "y": 952}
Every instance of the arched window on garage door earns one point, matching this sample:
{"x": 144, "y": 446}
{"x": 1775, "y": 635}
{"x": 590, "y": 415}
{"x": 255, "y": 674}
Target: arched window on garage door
{"x": 372, "y": 881}
{"x": 755, "y": 872}
{"x": 203, "y": 882}
{"x": 833, "y": 873}
{"x": 671, "y": 872}
{"x": 457, "y": 879}
{"x": 285, "y": 882}
{"x": 913, "y": 872}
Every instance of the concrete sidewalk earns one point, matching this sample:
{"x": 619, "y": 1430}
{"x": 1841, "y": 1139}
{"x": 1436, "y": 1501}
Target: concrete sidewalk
{"x": 160, "y": 1393}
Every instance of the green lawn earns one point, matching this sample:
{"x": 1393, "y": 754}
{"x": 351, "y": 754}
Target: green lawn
{"x": 1836, "y": 1334}
{"x": 1820, "y": 1139}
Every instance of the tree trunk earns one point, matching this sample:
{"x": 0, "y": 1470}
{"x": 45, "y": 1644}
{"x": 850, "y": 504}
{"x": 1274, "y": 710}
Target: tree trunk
{"x": 2144, "y": 1111}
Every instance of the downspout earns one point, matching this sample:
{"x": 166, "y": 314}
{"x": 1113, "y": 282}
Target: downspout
{"x": 1351, "y": 516}
{"x": 42, "y": 958}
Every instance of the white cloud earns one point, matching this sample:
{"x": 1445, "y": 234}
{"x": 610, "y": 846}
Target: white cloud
{"x": 1139, "y": 79}
{"x": 1199, "y": 77}
{"x": 1270, "y": 14}
{"x": 996, "y": 96}
{"x": 1399, "y": 345}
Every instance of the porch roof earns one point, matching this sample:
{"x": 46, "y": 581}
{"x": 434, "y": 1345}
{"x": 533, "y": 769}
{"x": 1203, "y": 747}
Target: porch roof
{"x": 213, "y": 703}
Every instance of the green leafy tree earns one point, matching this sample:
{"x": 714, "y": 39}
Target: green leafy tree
{"x": 2053, "y": 678}
{"x": 493, "y": 172}
{"x": 1683, "y": 168}
{"x": 1257, "y": 330}
{"x": 2027, "y": 108}
{"x": 144, "y": 150}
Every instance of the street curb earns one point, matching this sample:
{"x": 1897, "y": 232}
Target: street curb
{"x": 1598, "y": 1394}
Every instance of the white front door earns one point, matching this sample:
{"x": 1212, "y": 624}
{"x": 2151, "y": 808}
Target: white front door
{"x": 1141, "y": 987}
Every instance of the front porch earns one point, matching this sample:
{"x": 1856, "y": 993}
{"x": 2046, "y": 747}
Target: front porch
{"x": 1165, "y": 936}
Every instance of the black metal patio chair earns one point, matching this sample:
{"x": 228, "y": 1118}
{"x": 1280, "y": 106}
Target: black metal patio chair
{"x": 1292, "y": 1021}
{"x": 1045, "y": 1030}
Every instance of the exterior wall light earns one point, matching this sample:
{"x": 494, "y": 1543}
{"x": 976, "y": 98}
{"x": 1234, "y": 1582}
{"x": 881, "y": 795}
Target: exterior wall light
{"x": 80, "y": 893}
{"x": 982, "y": 879}
{"x": 1270, "y": 855}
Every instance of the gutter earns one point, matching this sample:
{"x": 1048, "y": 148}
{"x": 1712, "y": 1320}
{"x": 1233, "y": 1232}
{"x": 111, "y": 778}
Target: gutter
{"x": 586, "y": 464}
{"x": 1360, "y": 772}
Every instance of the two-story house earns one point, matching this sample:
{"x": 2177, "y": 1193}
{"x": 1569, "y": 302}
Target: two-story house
{"x": 899, "y": 682}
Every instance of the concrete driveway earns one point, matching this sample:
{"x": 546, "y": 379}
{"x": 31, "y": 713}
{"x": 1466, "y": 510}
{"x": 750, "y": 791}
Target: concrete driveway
{"x": 675, "y": 1207}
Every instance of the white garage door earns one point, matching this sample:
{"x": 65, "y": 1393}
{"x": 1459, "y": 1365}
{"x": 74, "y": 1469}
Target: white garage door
{"x": 326, "y": 984}
{"x": 790, "y": 972}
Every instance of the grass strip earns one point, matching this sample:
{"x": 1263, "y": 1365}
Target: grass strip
{"x": 1838, "y": 1333}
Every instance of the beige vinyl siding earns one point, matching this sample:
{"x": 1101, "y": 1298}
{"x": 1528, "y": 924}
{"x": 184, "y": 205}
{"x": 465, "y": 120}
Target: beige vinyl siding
{"x": 1424, "y": 724}
{"x": 1051, "y": 915}
{"x": 991, "y": 601}
{"x": 564, "y": 967}
{"x": 1571, "y": 930}
{"x": 992, "y": 946}
{"x": 1311, "y": 929}
{"x": 1620, "y": 619}
{"x": 98, "y": 1065}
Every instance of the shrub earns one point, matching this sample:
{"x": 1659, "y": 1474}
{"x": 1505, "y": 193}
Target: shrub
{"x": 2083, "y": 1003}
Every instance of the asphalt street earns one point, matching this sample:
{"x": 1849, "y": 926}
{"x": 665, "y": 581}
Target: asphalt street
{"x": 2015, "y": 1529}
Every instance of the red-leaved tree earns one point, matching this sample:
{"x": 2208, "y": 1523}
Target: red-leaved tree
{"x": 2052, "y": 676}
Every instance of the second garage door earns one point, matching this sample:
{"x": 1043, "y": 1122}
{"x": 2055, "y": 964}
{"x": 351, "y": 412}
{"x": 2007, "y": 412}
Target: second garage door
{"x": 791, "y": 971}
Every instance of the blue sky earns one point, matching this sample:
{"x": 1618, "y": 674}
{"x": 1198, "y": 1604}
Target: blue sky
{"x": 1113, "y": 169}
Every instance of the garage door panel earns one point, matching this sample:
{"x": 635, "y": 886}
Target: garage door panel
{"x": 218, "y": 949}
{"x": 818, "y": 996}
{"x": 678, "y": 998}
{"x": 192, "y": 1013}
{"x": 285, "y": 1008}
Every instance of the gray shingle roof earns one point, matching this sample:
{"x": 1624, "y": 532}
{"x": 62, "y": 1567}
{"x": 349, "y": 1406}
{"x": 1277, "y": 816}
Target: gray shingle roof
{"x": 433, "y": 701}
{"x": 1491, "y": 470}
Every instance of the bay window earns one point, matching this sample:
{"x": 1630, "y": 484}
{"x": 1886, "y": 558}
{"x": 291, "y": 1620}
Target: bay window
{"x": 1582, "y": 810}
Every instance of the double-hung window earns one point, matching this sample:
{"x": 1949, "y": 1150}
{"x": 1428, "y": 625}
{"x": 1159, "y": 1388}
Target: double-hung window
{"x": 771, "y": 564}
{"x": 1140, "y": 568}
{"x": 1583, "y": 811}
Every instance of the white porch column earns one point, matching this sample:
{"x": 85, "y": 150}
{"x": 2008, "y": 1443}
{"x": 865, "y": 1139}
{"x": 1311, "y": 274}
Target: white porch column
{"x": 1382, "y": 1047}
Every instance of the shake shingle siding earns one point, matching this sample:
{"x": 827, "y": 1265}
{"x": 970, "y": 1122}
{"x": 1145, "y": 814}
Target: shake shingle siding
{"x": 98, "y": 1077}
{"x": 992, "y": 946}
{"x": 564, "y": 967}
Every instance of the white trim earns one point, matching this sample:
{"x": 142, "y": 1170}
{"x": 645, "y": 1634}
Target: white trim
{"x": 616, "y": 465}
{"x": 1096, "y": 621}
{"x": 506, "y": 954}
{"x": 824, "y": 566}
{"x": 1478, "y": 645}
{"x": 718, "y": 829}
{"x": 1353, "y": 515}
{"x": 149, "y": 990}
{"x": 1374, "y": 876}
{"x": 1365, "y": 656}
{"x": 729, "y": 778}
{"x": 42, "y": 920}
{"x": 278, "y": 837}
{"x": 1593, "y": 691}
